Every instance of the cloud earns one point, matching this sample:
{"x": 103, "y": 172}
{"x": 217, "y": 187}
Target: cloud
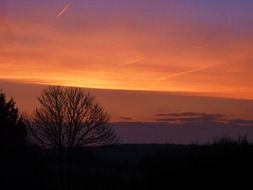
{"x": 186, "y": 72}
{"x": 240, "y": 122}
{"x": 126, "y": 118}
{"x": 189, "y": 117}
{"x": 189, "y": 114}
{"x": 107, "y": 43}
{"x": 64, "y": 10}
{"x": 193, "y": 117}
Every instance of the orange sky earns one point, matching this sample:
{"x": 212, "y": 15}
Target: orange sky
{"x": 162, "y": 46}
{"x": 139, "y": 105}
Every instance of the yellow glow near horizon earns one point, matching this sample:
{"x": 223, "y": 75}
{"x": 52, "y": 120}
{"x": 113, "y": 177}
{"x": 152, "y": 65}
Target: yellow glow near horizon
{"x": 126, "y": 52}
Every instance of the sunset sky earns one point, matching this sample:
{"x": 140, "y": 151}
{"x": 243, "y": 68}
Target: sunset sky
{"x": 202, "y": 47}
{"x": 152, "y": 64}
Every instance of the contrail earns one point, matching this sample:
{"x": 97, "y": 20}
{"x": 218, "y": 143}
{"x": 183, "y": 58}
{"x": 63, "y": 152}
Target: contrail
{"x": 186, "y": 72}
{"x": 63, "y": 10}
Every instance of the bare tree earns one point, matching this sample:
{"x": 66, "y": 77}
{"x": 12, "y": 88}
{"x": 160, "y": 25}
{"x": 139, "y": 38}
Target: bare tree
{"x": 69, "y": 118}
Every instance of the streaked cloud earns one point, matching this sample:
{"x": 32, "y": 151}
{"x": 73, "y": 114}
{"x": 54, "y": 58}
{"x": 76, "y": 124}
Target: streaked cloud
{"x": 64, "y": 10}
{"x": 191, "y": 117}
{"x": 186, "y": 72}
{"x": 166, "y": 46}
{"x": 126, "y": 118}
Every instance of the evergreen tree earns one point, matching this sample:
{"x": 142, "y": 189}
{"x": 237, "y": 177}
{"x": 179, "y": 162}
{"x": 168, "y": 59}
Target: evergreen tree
{"x": 12, "y": 128}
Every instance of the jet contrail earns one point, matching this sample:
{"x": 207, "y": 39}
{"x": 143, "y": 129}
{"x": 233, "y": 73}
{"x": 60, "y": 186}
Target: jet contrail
{"x": 63, "y": 10}
{"x": 186, "y": 72}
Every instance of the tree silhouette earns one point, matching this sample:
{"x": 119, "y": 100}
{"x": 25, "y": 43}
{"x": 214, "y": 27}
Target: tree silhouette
{"x": 12, "y": 128}
{"x": 69, "y": 118}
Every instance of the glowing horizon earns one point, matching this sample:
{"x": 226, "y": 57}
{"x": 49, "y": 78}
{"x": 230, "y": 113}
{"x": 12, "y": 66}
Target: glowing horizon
{"x": 169, "y": 46}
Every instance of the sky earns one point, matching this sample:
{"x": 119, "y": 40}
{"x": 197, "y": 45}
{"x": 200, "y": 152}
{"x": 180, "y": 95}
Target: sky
{"x": 194, "y": 46}
{"x": 149, "y": 62}
{"x": 155, "y": 117}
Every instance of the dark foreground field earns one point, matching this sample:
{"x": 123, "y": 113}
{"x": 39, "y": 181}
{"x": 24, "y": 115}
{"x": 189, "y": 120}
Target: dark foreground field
{"x": 133, "y": 167}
